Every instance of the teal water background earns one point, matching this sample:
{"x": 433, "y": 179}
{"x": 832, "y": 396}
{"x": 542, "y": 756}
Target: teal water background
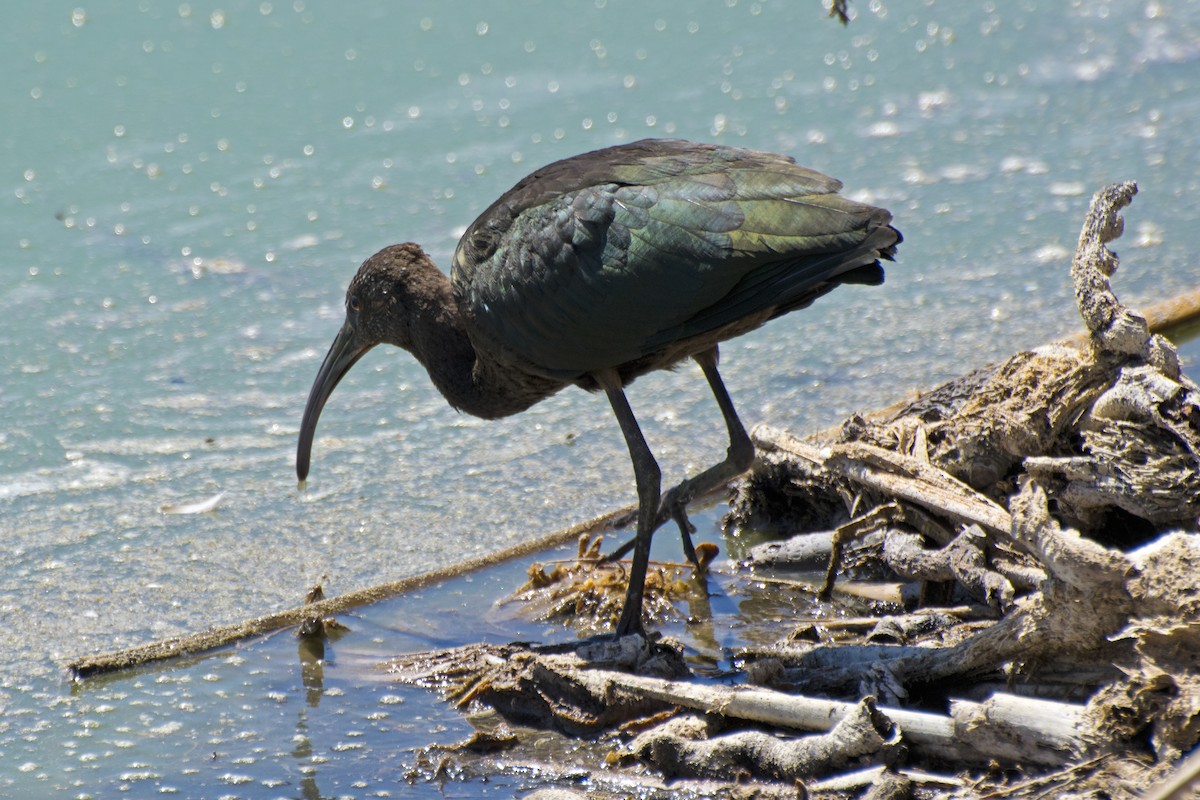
{"x": 188, "y": 187}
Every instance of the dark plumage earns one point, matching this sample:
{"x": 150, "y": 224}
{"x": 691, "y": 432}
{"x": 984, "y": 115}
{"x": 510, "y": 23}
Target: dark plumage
{"x": 602, "y": 267}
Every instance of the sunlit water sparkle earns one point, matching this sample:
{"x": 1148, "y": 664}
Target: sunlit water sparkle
{"x": 190, "y": 188}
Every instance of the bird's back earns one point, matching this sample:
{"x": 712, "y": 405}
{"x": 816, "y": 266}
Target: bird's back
{"x": 637, "y": 255}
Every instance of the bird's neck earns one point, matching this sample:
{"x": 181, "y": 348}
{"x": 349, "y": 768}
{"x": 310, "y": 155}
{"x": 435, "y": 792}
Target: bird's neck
{"x": 469, "y": 380}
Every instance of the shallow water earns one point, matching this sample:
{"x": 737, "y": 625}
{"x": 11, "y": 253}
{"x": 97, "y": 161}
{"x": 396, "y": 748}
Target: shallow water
{"x": 271, "y": 718}
{"x": 190, "y": 187}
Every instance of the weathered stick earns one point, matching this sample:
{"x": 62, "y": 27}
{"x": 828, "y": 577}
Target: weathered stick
{"x": 1114, "y": 327}
{"x": 892, "y": 474}
{"x": 873, "y": 775}
{"x": 682, "y": 746}
{"x": 1010, "y": 727}
{"x": 1043, "y": 626}
{"x": 754, "y": 704}
{"x": 1183, "y": 784}
{"x": 929, "y": 734}
{"x": 569, "y": 693}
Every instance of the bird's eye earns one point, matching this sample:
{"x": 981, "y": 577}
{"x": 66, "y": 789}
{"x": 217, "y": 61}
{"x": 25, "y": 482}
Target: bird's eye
{"x": 354, "y": 304}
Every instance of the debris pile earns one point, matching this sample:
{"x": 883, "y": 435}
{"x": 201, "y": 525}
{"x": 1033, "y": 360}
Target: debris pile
{"x": 1056, "y": 495}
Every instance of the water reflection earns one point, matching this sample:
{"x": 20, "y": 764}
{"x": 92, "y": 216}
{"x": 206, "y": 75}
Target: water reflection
{"x": 311, "y": 649}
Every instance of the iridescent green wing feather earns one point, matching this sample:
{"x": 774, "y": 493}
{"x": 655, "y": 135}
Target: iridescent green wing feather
{"x": 603, "y": 259}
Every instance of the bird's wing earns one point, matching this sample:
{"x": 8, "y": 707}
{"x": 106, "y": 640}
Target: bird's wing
{"x": 635, "y": 248}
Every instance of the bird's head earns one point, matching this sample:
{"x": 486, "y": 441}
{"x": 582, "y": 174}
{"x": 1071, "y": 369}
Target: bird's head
{"x": 383, "y": 298}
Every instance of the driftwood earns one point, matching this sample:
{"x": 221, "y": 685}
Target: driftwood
{"x": 688, "y": 746}
{"x": 571, "y": 694}
{"x": 1056, "y": 494}
{"x": 1103, "y": 437}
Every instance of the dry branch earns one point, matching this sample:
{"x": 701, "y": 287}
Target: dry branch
{"x": 891, "y": 474}
{"x": 565, "y": 692}
{"x": 685, "y": 746}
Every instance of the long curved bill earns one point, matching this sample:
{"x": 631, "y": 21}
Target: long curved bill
{"x": 343, "y": 354}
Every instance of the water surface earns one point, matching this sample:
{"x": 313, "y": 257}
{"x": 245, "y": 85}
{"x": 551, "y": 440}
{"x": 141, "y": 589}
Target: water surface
{"x": 189, "y": 187}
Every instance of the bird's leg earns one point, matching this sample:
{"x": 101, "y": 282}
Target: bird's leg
{"x": 649, "y": 488}
{"x": 738, "y": 458}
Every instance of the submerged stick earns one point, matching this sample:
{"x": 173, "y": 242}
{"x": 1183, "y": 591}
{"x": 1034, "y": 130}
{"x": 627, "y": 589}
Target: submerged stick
{"x": 222, "y": 636}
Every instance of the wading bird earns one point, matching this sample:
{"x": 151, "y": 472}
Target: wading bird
{"x": 602, "y": 267}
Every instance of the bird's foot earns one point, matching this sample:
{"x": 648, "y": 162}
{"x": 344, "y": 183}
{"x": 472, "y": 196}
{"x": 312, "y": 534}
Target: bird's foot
{"x": 674, "y": 505}
{"x": 678, "y": 512}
